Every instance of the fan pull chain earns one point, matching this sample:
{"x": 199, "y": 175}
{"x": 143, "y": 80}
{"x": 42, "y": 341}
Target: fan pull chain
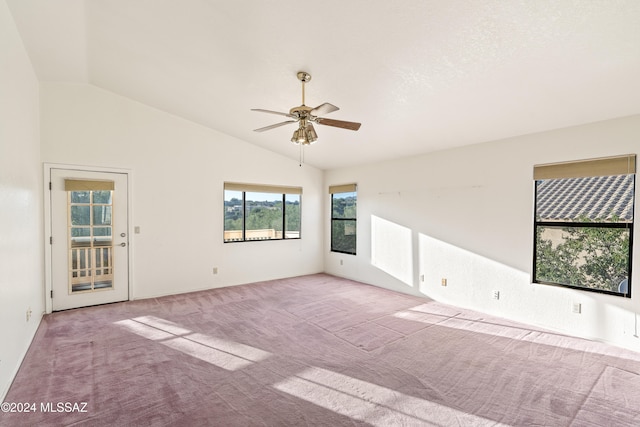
{"x": 301, "y": 156}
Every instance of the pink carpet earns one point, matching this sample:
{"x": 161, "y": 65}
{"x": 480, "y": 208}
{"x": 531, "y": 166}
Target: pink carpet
{"x": 310, "y": 351}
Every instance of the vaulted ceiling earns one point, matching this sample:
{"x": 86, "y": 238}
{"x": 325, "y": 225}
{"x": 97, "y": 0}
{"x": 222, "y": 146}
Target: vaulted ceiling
{"x": 420, "y": 75}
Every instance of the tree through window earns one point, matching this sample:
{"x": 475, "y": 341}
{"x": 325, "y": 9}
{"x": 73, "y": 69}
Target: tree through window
{"x": 343, "y": 218}
{"x": 583, "y": 229}
{"x": 261, "y": 212}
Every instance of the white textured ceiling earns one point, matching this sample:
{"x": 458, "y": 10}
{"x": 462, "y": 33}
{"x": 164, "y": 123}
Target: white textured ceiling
{"x": 421, "y": 75}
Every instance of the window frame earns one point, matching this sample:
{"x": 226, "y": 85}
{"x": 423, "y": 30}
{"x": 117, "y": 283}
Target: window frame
{"x": 577, "y": 169}
{"x": 259, "y": 188}
{"x": 342, "y": 189}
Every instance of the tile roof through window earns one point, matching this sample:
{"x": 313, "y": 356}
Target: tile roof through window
{"x": 600, "y": 198}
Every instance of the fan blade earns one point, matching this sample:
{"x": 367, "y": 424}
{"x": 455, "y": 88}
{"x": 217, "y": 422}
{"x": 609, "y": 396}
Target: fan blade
{"x": 323, "y": 109}
{"x": 273, "y": 112}
{"x": 338, "y": 123}
{"x": 274, "y": 126}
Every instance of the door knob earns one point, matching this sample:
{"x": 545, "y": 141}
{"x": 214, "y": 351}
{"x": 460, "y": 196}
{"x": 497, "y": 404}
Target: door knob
{"x": 123, "y": 234}
{"x": 123, "y": 244}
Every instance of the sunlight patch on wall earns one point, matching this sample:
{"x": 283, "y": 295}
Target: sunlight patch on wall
{"x": 225, "y": 354}
{"x": 371, "y": 403}
{"x": 472, "y": 275}
{"x": 392, "y": 249}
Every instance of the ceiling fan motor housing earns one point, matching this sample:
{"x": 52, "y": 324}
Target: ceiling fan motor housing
{"x": 302, "y": 111}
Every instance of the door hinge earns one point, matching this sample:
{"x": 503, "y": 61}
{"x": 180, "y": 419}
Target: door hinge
{"x": 51, "y": 240}
{"x": 50, "y": 186}
{"x": 52, "y": 293}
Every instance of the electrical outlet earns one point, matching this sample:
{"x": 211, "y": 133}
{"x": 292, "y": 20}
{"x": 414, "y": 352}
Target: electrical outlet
{"x": 496, "y": 294}
{"x": 576, "y": 308}
{"x": 422, "y": 277}
{"x": 444, "y": 282}
{"x": 29, "y": 312}
{"x": 341, "y": 262}
{"x": 215, "y": 270}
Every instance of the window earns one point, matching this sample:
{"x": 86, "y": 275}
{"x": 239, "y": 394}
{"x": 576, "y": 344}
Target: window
{"x": 261, "y": 212}
{"x": 90, "y": 234}
{"x": 343, "y": 218}
{"x": 583, "y": 230}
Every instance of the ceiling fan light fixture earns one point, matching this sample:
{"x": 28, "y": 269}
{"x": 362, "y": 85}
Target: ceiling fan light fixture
{"x": 304, "y": 135}
{"x": 311, "y": 134}
{"x": 298, "y": 136}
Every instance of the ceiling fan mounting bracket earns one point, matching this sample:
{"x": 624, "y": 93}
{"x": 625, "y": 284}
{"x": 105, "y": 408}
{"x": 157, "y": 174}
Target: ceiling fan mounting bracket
{"x": 304, "y": 77}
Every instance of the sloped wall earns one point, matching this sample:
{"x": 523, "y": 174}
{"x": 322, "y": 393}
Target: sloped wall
{"x": 178, "y": 170}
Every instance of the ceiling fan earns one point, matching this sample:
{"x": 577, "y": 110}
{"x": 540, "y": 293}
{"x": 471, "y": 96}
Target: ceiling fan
{"x": 305, "y": 116}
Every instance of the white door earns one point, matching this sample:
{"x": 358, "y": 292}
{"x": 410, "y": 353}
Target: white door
{"x": 89, "y": 246}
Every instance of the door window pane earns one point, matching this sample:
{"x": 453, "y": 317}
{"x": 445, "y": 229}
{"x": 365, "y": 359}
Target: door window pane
{"x": 90, "y": 240}
{"x": 80, "y": 196}
{"x": 80, "y": 236}
{"x": 101, "y": 215}
{"x": 102, "y": 197}
{"x": 80, "y": 215}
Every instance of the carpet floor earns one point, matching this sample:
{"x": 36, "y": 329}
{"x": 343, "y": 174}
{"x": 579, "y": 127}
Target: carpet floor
{"x": 310, "y": 351}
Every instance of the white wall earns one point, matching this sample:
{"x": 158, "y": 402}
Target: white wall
{"x": 178, "y": 170}
{"x": 467, "y": 215}
{"x": 21, "y": 277}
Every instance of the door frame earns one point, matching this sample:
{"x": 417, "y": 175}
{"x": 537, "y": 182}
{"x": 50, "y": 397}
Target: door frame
{"x": 48, "y": 280}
